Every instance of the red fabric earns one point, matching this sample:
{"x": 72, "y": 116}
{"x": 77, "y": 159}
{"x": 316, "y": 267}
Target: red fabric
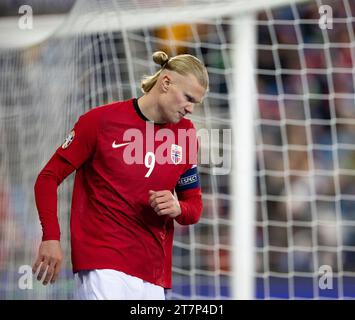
{"x": 112, "y": 224}
{"x": 56, "y": 170}
{"x": 191, "y": 206}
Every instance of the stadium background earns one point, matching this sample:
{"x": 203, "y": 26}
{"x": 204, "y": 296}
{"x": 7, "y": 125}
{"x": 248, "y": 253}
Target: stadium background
{"x": 305, "y": 128}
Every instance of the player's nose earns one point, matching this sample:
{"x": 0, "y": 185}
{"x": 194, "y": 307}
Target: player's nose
{"x": 189, "y": 108}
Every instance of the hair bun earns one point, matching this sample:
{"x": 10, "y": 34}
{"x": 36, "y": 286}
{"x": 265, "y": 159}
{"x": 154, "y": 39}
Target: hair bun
{"x": 160, "y": 57}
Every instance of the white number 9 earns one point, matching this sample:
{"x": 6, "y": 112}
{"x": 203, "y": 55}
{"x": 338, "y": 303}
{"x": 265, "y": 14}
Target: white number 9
{"x": 149, "y": 162}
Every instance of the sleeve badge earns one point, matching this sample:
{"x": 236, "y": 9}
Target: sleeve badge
{"x": 68, "y": 140}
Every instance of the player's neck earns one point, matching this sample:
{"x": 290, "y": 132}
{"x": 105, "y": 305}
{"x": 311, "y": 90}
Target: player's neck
{"x": 149, "y": 108}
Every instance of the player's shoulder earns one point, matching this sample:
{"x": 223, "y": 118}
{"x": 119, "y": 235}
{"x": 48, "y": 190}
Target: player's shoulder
{"x": 106, "y": 111}
{"x": 108, "y": 108}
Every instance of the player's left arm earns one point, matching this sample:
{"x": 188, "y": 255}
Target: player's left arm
{"x": 187, "y": 207}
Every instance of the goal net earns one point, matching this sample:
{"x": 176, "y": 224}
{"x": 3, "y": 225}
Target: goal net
{"x": 305, "y": 152}
{"x": 299, "y": 218}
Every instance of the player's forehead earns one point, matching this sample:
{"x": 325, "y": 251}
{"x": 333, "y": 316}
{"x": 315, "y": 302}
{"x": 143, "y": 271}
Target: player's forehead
{"x": 189, "y": 83}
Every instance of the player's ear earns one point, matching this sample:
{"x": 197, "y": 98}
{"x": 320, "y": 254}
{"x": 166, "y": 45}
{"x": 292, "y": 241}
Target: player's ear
{"x": 165, "y": 83}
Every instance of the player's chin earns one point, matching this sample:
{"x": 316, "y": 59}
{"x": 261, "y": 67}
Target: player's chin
{"x": 174, "y": 120}
{"x": 177, "y": 118}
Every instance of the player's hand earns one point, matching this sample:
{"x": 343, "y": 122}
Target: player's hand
{"x": 49, "y": 256}
{"x": 164, "y": 203}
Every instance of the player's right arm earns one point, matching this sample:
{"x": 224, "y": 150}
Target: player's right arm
{"x": 78, "y": 147}
{"x": 50, "y": 253}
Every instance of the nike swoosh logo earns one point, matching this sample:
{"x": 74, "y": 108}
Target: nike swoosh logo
{"x": 115, "y": 146}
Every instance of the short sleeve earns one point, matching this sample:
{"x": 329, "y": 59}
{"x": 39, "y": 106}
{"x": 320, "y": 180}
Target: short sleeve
{"x": 80, "y": 143}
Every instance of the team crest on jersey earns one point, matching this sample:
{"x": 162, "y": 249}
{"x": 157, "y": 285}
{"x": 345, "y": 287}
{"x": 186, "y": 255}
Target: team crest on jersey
{"x": 68, "y": 140}
{"x": 176, "y": 153}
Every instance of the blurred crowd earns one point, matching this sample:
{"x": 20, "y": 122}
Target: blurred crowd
{"x": 306, "y": 143}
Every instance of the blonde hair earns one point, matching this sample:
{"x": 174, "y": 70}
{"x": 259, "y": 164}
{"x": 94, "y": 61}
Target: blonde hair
{"x": 183, "y": 64}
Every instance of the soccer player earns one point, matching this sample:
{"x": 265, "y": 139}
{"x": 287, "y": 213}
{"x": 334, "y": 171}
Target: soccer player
{"x": 129, "y": 157}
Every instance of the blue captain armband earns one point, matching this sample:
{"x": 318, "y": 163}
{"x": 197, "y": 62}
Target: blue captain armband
{"x": 189, "y": 180}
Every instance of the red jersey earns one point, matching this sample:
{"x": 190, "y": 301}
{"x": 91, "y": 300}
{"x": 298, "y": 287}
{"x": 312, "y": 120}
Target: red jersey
{"x": 113, "y": 225}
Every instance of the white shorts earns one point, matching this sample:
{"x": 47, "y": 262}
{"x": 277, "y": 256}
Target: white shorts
{"x": 108, "y": 284}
